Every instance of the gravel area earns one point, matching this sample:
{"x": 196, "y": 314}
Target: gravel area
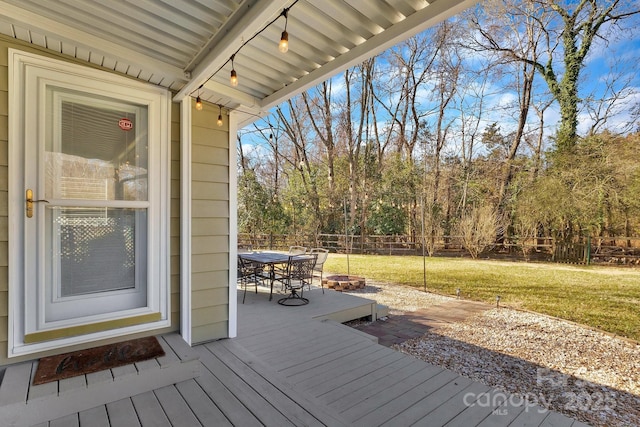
{"x": 583, "y": 373}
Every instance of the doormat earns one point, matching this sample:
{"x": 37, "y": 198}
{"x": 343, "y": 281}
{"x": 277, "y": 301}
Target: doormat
{"x": 61, "y": 366}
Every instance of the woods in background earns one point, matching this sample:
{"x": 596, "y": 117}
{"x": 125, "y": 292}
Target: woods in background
{"x": 448, "y": 134}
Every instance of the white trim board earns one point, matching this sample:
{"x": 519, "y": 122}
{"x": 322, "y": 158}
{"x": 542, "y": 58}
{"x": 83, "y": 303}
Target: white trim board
{"x": 233, "y": 226}
{"x": 185, "y": 219}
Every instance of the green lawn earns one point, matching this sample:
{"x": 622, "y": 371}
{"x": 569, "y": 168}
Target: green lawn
{"x": 601, "y": 297}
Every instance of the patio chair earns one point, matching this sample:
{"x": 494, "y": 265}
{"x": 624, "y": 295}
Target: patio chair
{"x": 299, "y": 274}
{"x": 280, "y": 271}
{"x": 245, "y": 248}
{"x": 247, "y": 272}
{"x": 297, "y": 250}
{"x": 258, "y": 268}
{"x": 322, "y": 255}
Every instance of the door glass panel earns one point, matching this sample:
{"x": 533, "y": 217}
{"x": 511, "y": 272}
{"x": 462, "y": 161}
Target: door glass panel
{"x": 96, "y": 148}
{"x": 95, "y": 250}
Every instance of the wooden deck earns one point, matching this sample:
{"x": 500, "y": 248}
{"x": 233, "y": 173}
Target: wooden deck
{"x": 289, "y": 366}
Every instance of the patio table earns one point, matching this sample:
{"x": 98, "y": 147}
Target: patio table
{"x": 270, "y": 259}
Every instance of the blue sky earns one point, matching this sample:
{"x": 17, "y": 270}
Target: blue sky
{"x": 613, "y": 62}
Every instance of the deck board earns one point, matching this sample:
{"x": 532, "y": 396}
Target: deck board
{"x": 413, "y": 404}
{"x": 100, "y": 377}
{"x": 421, "y": 409}
{"x": 530, "y": 416}
{"x": 149, "y": 410}
{"x": 441, "y": 411}
{"x": 175, "y": 408}
{"x": 68, "y": 421}
{"x": 202, "y": 406}
{"x": 266, "y": 344}
{"x": 341, "y": 402}
{"x": 170, "y": 356}
{"x": 122, "y": 414}
{"x": 579, "y": 424}
{"x": 288, "y": 366}
{"x": 503, "y": 415}
{"x": 72, "y": 384}
{"x": 479, "y": 410}
{"x": 42, "y": 390}
{"x": 304, "y": 348}
{"x": 289, "y": 407}
{"x": 256, "y": 403}
{"x": 366, "y": 385}
{"x": 232, "y": 408}
{"x": 124, "y": 371}
{"x": 94, "y": 417}
{"x": 554, "y": 419}
{"x": 15, "y": 384}
{"x": 322, "y": 360}
{"x": 300, "y": 397}
{"x": 147, "y": 365}
{"x": 340, "y": 367}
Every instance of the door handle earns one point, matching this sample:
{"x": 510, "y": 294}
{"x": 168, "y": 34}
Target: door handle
{"x": 30, "y": 203}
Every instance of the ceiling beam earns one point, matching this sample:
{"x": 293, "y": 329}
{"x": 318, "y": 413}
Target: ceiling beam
{"x": 425, "y": 18}
{"x": 48, "y": 27}
{"x": 253, "y": 18}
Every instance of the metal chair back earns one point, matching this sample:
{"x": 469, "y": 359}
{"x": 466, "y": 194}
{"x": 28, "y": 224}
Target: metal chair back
{"x": 297, "y": 250}
{"x": 322, "y": 255}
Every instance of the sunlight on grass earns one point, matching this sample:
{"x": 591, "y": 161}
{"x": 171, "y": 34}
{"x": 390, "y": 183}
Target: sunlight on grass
{"x": 600, "y": 297}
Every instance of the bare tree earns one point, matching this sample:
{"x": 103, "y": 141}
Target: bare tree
{"x": 445, "y": 74}
{"x": 517, "y": 41}
{"x": 471, "y": 106}
{"x": 568, "y": 30}
{"x": 537, "y": 144}
{"x": 356, "y": 105}
{"x": 296, "y": 128}
{"x": 322, "y": 120}
{"x": 610, "y": 98}
{"x": 477, "y": 228}
{"x": 410, "y": 66}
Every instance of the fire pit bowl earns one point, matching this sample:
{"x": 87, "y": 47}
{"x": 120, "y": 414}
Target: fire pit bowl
{"x": 344, "y": 282}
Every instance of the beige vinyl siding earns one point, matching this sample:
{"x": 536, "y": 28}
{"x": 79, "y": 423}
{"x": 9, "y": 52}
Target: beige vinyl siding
{"x": 209, "y": 226}
{"x": 5, "y": 44}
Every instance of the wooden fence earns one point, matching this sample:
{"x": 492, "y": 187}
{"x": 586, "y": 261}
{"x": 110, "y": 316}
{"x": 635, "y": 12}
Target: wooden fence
{"x": 572, "y": 253}
{"x": 609, "y": 250}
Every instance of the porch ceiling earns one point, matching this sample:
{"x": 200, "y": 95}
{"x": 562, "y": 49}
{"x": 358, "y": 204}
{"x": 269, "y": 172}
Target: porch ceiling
{"x": 185, "y": 44}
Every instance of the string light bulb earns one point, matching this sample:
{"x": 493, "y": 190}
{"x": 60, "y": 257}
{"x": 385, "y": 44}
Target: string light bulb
{"x": 220, "y": 116}
{"x": 284, "y": 42}
{"x": 198, "y": 103}
{"x": 283, "y": 46}
{"x": 234, "y": 75}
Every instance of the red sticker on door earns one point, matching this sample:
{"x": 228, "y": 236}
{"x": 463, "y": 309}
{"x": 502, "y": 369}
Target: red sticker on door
{"x": 125, "y": 124}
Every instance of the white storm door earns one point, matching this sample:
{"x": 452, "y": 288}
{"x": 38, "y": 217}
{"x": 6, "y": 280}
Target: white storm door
{"x": 89, "y": 187}
{"x": 87, "y": 238}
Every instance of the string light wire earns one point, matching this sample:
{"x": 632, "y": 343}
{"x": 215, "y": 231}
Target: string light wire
{"x": 284, "y": 13}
